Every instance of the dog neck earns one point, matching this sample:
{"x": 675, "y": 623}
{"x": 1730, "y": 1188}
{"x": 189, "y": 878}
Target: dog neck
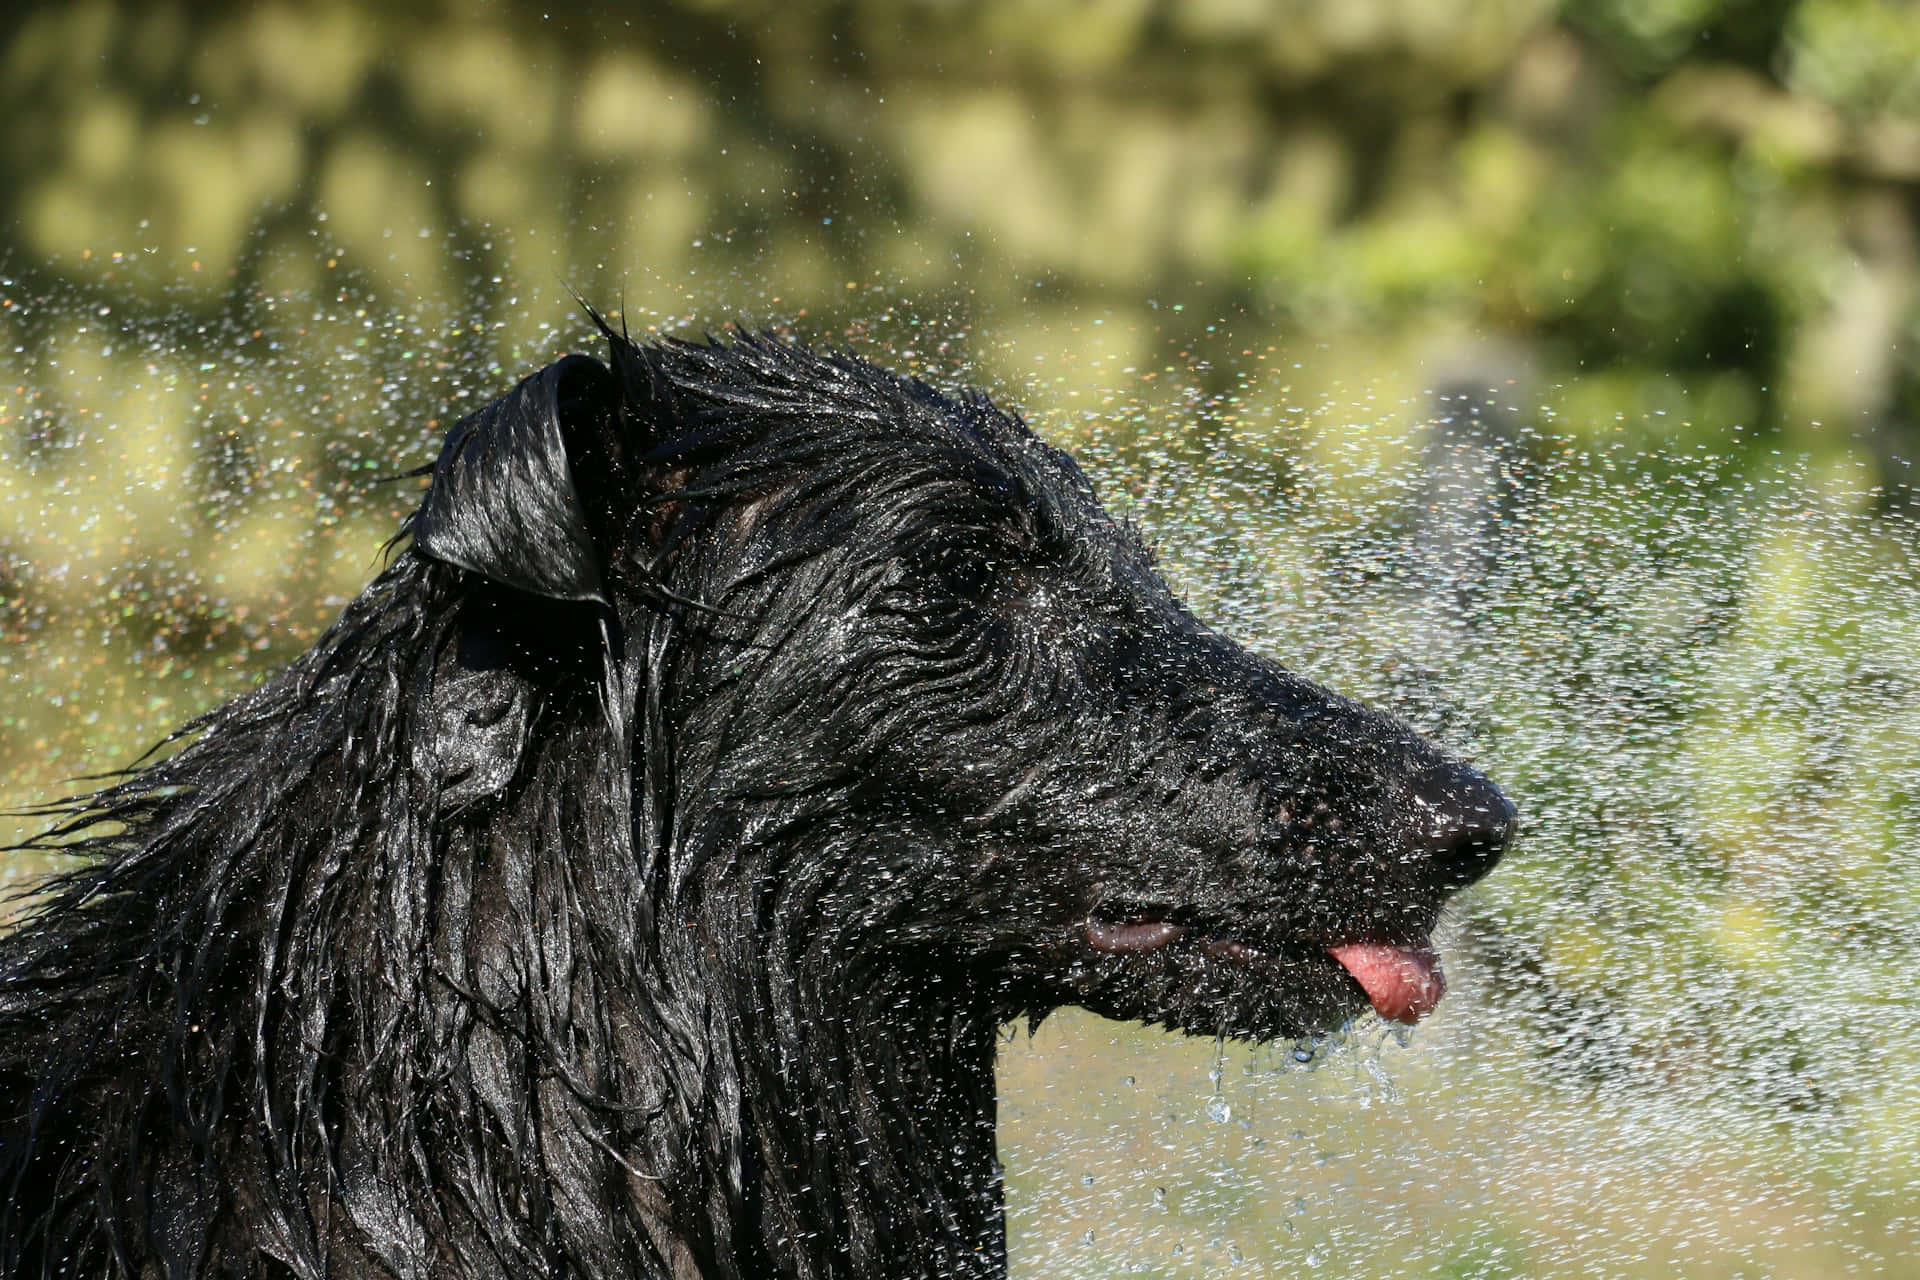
{"x": 865, "y": 1094}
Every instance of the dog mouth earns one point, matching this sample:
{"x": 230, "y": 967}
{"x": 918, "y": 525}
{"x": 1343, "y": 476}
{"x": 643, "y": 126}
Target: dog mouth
{"x": 1402, "y": 981}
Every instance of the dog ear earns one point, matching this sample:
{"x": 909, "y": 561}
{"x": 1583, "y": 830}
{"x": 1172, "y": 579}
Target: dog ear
{"x": 514, "y": 490}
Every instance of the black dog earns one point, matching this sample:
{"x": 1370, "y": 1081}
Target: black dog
{"x": 632, "y": 881}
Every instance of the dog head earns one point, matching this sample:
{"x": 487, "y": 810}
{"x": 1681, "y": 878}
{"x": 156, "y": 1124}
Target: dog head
{"x": 882, "y": 660}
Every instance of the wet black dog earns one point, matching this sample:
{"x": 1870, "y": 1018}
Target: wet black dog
{"x": 632, "y": 881}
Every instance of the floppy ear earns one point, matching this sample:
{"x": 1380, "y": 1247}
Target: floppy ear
{"x": 504, "y": 501}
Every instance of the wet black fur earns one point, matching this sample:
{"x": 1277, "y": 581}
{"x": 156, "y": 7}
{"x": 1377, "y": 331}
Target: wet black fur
{"x": 633, "y": 879}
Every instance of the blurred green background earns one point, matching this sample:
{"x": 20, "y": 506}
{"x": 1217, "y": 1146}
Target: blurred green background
{"x": 1548, "y": 372}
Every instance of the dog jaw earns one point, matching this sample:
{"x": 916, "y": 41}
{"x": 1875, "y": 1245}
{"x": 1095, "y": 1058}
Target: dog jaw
{"x": 1403, "y": 983}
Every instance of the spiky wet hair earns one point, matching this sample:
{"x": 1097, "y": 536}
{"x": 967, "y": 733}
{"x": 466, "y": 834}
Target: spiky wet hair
{"x": 390, "y": 961}
{"x": 633, "y": 879}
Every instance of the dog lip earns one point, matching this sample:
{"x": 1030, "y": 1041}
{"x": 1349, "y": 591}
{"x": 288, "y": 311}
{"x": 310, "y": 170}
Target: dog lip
{"x": 1138, "y": 930}
{"x": 1130, "y": 937}
{"x": 1403, "y": 983}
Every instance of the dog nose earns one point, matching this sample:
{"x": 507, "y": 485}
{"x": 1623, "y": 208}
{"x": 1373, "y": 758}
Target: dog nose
{"x": 1466, "y": 823}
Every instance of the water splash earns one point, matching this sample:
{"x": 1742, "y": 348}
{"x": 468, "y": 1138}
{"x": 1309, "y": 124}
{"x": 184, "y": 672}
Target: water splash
{"x": 1677, "y": 1027}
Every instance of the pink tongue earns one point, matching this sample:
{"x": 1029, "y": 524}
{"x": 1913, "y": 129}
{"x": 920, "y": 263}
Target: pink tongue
{"x": 1404, "y": 983}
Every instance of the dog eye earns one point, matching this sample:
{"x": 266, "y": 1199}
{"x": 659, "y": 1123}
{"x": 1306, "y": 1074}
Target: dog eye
{"x": 966, "y": 571}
